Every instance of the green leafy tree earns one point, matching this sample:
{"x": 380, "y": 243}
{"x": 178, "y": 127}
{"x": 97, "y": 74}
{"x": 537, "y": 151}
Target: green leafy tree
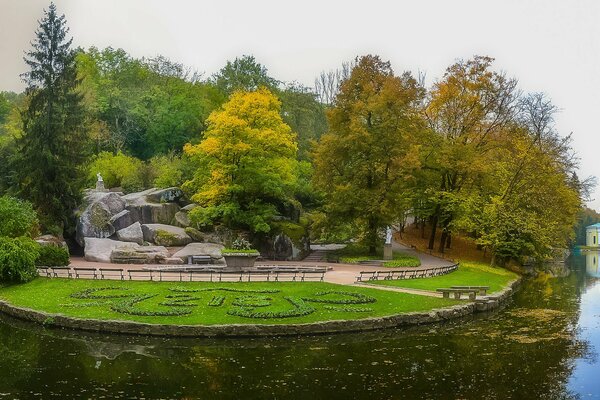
{"x": 52, "y": 148}
{"x": 118, "y": 170}
{"x": 365, "y": 164}
{"x": 246, "y": 164}
{"x": 243, "y": 73}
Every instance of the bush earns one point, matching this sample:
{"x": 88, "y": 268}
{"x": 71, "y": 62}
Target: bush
{"x": 18, "y": 218}
{"x": 120, "y": 170}
{"x": 53, "y": 256}
{"x": 17, "y": 259}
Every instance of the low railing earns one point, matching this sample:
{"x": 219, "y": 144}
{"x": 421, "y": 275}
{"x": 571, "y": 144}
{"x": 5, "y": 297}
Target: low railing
{"x": 206, "y": 275}
{"x": 405, "y": 274}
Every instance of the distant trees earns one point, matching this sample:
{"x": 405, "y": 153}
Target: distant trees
{"x": 53, "y": 144}
{"x": 243, "y": 74}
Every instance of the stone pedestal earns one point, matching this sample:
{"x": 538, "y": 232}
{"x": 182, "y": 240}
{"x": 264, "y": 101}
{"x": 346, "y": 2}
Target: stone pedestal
{"x": 100, "y": 187}
{"x": 387, "y": 252}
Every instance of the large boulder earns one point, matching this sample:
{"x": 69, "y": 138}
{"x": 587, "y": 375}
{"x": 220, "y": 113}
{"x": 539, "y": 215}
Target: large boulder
{"x": 133, "y": 233}
{"x": 100, "y": 250}
{"x": 139, "y": 255}
{"x": 151, "y": 206}
{"x": 165, "y": 235}
{"x": 94, "y": 222}
{"x": 122, "y": 220}
{"x": 98, "y": 210}
{"x": 182, "y": 219}
{"x": 168, "y": 195}
{"x": 202, "y": 249}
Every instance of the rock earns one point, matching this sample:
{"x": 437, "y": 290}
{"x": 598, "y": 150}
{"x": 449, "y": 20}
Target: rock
{"x": 195, "y": 234}
{"x": 132, "y": 233}
{"x": 201, "y": 249}
{"x": 189, "y": 207}
{"x": 50, "y": 240}
{"x": 139, "y": 255}
{"x": 147, "y": 211}
{"x": 94, "y": 222}
{"x": 165, "y": 235}
{"x": 172, "y": 261}
{"x": 112, "y": 201}
{"x": 100, "y": 250}
{"x": 168, "y": 195}
{"x": 121, "y": 220}
{"x": 182, "y": 219}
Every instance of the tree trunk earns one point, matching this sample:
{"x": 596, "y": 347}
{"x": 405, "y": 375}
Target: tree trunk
{"x": 372, "y": 237}
{"x": 423, "y": 228}
{"x": 449, "y": 240}
{"x": 443, "y": 241}
{"x": 434, "y": 222}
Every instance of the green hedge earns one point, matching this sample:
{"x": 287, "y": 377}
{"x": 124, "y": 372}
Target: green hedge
{"x": 52, "y": 256}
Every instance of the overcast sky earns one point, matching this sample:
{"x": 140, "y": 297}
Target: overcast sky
{"x": 551, "y": 45}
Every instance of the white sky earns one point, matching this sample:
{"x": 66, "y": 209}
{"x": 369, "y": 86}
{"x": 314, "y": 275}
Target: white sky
{"x": 549, "y": 45}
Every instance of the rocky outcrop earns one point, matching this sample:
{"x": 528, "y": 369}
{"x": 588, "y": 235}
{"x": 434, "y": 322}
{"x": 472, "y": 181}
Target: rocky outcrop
{"x": 133, "y": 233}
{"x": 182, "y": 219}
{"x": 152, "y": 206}
{"x": 121, "y": 220}
{"x": 165, "y": 235}
{"x": 202, "y": 249}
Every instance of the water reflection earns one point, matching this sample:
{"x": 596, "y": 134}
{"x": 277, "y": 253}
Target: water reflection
{"x": 541, "y": 346}
{"x": 592, "y": 258}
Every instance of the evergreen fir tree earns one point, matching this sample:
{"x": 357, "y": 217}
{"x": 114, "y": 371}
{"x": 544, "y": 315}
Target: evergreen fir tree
{"x": 52, "y": 148}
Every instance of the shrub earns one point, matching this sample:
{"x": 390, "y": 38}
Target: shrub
{"x": 17, "y": 259}
{"x": 53, "y": 256}
{"x": 18, "y": 218}
{"x": 118, "y": 170}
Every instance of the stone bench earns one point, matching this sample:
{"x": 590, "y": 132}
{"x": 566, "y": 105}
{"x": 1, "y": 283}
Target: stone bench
{"x": 482, "y": 289}
{"x": 458, "y": 292}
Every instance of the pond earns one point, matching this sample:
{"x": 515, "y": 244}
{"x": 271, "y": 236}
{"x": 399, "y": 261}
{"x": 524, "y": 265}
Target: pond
{"x": 543, "y": 345}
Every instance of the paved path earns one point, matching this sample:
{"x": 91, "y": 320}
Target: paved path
{"x": 338, "y": 273}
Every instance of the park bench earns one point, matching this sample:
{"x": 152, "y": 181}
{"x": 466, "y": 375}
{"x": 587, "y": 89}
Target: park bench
{"x": 458, "y": 292}
{"x": 112, "y": 273}
{"x": 482, "y": 290}
{"x": 199, "y": 260}
{"x": 310, "y": 275}
{"x": 369, "y": 275}
{"x": 139, "y": 271}
{"x": 83, "y": 272}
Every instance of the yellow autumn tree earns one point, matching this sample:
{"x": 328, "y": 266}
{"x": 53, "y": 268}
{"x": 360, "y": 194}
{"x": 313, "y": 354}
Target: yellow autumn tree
{"x": 246, "y": 163}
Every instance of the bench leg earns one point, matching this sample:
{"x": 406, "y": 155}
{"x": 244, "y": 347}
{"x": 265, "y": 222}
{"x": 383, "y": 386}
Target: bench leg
{"x": 457, "y": 295}
{"x": 472, "y": 296}
{"x": 446, "y": 295}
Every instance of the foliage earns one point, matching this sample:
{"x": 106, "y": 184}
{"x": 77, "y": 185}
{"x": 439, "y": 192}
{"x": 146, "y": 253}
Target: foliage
{"x": 17, "y": 259}
{"x": 118, "y": 170}
{"x": 52, "y": 148}
{"x": 249, "y": 154}
{"x": 366, "y": 162}
{"x": 300, "y": 309}
{"x": 18, "y": 218}
{"x": 53, "y": 256}
{"x": 585, "y": 218}
{"x": 243, "y": 74}
{"x": 241, "y": 244}
{"x": 351, "y": 298}
{"x": 402, "y": 260}
{"x": 170, "y": 170}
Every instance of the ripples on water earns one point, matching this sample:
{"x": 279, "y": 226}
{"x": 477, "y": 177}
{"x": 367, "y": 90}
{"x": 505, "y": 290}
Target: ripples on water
{"x": 541, "y": 346}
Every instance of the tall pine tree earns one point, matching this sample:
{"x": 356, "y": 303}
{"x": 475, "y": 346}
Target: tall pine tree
{"x": 52, "y": 148}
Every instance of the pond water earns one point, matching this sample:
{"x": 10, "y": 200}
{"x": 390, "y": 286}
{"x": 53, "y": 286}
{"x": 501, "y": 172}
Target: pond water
{"x": 543, "y": 345}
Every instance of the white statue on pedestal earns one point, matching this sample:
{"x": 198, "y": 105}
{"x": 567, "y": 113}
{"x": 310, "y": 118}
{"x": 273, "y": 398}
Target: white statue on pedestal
{"x": 388, "y": 235}
{"x": 100, "y": 183}
{"x": 99, "y": 177}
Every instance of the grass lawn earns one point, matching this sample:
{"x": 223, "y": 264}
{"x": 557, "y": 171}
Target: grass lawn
{"x": 205, "y": 303}
{"x": 468, "y": 274}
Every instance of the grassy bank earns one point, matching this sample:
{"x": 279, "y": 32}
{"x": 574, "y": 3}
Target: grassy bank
{"x": 355, "y": 254}
{"x": 203, "y": 303}
{"x": 468, "y": 274}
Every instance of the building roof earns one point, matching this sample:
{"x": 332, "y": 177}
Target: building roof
{"x": 596, "y": 226}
